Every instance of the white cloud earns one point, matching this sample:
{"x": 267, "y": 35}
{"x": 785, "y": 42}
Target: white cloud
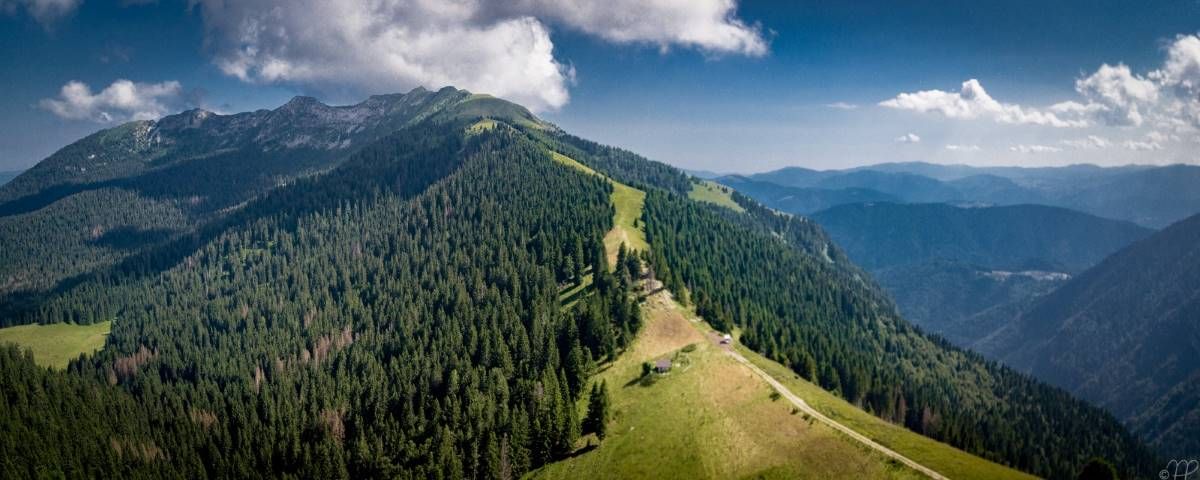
{"x": 501, "y": 48}
{"x": 44, "y": 11}
{"x": 1117, "y": 95}
{"x": 709, "y": 25}
{"x": 1167, "y": 98}
{"x": 1144, "y": 146}
{"x": 123, "y": 100}
{"x": 963, "y": 148}
{"x": 1034, "y": 149}
{"x": 972, "y": 101}
{"x": 1091, "y": 142}
{"x": 908, "y": 138}
{"x": 841, "y": 106}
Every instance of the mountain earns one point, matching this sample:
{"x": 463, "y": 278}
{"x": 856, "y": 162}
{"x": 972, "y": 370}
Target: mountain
{"x": 1123, "y": 335}
{"x": 6, "y": 177}
{"x": 801, "y": 200}
{"x": 144, "y": 184}
{"x": 961, "y": 301}
{"x": 952, "y": 270}
{"x": 1020, "y": 237}
{"x": 434, "y": 302}
{"x": 1148, "y": 195}
{"x": 704, "y": 174}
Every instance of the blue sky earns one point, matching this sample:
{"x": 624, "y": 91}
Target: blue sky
{"x": 706, "y": 84}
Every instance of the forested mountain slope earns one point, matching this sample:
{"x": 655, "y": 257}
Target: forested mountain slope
{"x": 951, "y": 269}
{"x": 123, "y": 190}
{"x": 838, "y": 330}
{"x": 418, "y": 315}
{"x": 1124, "y": 335}
{"x": 1020, "y": 237}
{"x": 398, "y": 315}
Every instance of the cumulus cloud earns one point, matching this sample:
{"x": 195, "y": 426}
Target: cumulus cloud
{"x": 44, "y": 11}
{"x": 908, "y": 138}
{"x": 1091, "y": 142}
{"x": 1167, "y": 98}
{"x": 1117, "y": 94}
{"x": 122, "y": 101}
{"x": 1034, "y": 149}
{"x": 972, "y": 101}
{"x": 501, "y": 48}
{"x": 963, "y": 148}
{"x": 709, "y": 25}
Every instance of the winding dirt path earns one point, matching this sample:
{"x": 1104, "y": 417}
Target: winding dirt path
{"x": 804, "y": 407}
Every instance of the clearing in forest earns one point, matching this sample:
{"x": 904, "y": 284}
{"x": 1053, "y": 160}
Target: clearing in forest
{"x": 627, "y": 203}
{"x": 710, "y": 418}
{"x": 715, "y": 193}
{"x": 57, "y": 344}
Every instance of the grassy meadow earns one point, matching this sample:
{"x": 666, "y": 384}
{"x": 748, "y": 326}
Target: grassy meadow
{"x": 712, "y": 192}
{"x": 57, "y": 344}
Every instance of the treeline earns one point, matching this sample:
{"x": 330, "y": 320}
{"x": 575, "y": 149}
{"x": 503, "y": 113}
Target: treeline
{"x": 622, "y": 165}
{"x": 399, "y": 333}
{"x": 837, "y": 331}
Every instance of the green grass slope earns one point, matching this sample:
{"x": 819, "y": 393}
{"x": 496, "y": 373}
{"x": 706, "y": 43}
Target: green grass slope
{"x": 57, "y": 344}
{"x": 715, "y": 193}
{"x": 708, "y": 418}
{"x": 627, "y": 204}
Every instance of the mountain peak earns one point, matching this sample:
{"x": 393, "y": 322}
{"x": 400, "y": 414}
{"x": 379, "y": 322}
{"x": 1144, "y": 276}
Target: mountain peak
{"x": 302, "y": 103}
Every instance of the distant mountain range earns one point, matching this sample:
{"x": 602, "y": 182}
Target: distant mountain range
{"x": 6, "y": 176}
{"x": 1125, "y": 335}
{"x": 1018, "y": 237}
{"x": 945, "y": 265}
{"x": 1147, "y": 195}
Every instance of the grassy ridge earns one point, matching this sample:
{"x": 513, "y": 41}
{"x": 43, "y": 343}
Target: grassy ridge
{"x": 712, "y": 192}
{"x": 57, "y": 344}
{"x": 708, "y": 418}
{"x": 943, "y": 458}
{"x": 628, "y": 203}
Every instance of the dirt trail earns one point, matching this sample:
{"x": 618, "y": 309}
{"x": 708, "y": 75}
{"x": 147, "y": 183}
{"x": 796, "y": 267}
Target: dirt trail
{"x": 804, "y": 407}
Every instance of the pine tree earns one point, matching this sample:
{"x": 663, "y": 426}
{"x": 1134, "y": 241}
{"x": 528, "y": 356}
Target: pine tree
{"x": 597, "y": 416}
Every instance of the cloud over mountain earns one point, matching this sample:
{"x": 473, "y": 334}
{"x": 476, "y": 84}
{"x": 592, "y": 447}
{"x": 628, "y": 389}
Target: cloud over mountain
{"x": 502, "y": 48}
{"x": 972, "y": 101}
{"x": 123, "y": 100}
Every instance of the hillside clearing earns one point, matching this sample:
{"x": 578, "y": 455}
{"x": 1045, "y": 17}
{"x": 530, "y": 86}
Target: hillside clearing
{"x": 709, "y": 417}
{"x": 57, "y": 344}
{"x": 712, "y": 192}
{"x": 627, "y": 203}
{"x": 943, "y": 458}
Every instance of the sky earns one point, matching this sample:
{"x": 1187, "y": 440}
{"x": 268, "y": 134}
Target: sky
{"x": 721, "y": 85}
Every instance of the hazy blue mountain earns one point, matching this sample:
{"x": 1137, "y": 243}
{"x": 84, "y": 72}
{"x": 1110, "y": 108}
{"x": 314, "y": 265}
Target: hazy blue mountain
{"x": 1148, "y": 195}
{"x": 705, "y": 174}
{"x": 1020, "y": 237}
{"x": 802, "y": 200}
{"x": 911, "y": 188}
{"x": 961, "y": 301}
{"x": 964, "y": 272}
{"x": 1124, "y": 334}
{"x": 6, "y": 176}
